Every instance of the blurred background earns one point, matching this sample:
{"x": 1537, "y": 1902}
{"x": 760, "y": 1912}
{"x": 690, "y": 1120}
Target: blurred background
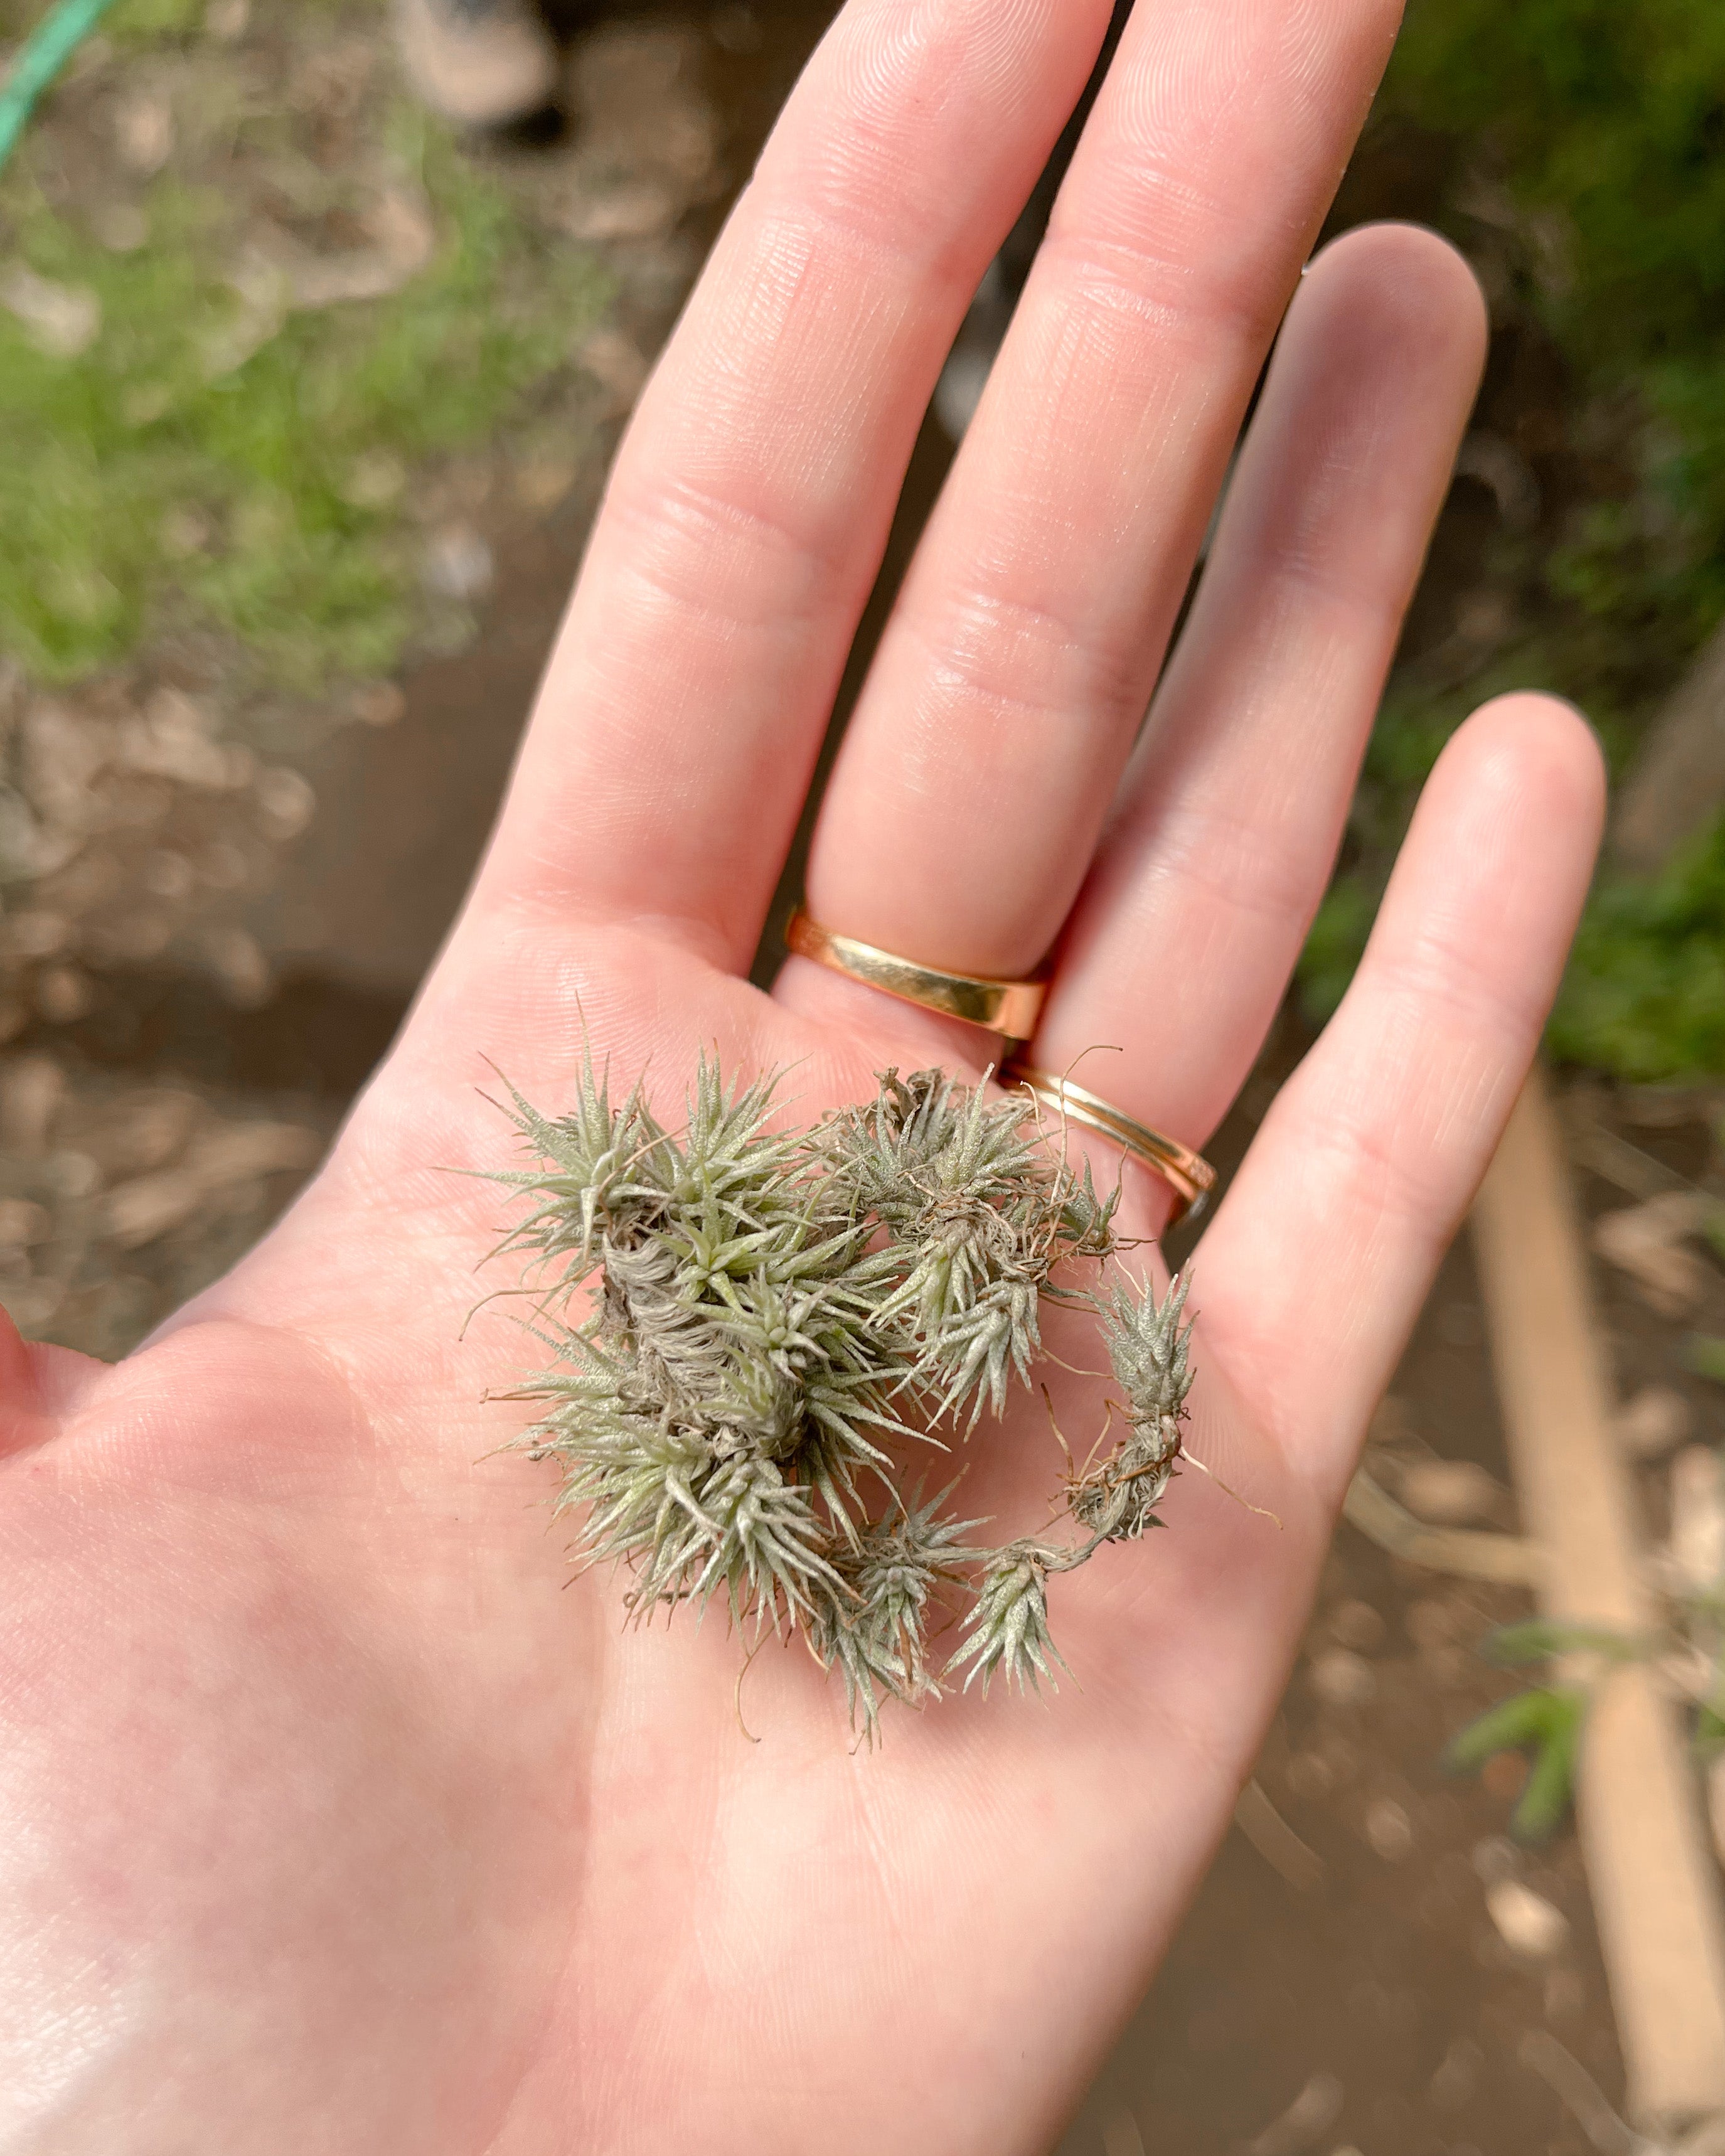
{"x": 308, "y": 392}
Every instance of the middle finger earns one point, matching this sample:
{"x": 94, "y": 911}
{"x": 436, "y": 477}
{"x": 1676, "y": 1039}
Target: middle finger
{"x": 967, "y": 800}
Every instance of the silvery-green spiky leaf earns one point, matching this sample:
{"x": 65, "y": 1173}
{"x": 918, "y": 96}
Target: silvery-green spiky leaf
{"x": 1149, "y": 1346}
{"x": 983, "y": 1213}
{"x": 874, "y": 1631}
{"x": 765, "y": 1546}
{"x": 596, "y": 1173}
{"x": 1008, "y": 1628}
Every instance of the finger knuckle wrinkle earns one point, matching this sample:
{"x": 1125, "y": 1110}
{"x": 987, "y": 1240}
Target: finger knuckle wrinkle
{"x": 710, "y": 548}
{"x": 1185, "y": 280}
{"x": 1017, "y": 655}
{"x": 1370, "y": 1172}
{"x": 1312, "y": 575}
{"x": 974, "y": 619}
{"x": 1233, "y": 862}
{"x": 1437, "y": 977}
{"x": 1150, "y": 293}
{"x": 844, "y": 212}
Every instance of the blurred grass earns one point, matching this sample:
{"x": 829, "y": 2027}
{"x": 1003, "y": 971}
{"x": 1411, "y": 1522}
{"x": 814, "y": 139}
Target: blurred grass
{"x": 113, "y": 450}
{"x": 1607, "y": 116}
{"x": 1602, "y": 125}
{"x": 1645, "y": 993}
{"x": 147, "y": 21}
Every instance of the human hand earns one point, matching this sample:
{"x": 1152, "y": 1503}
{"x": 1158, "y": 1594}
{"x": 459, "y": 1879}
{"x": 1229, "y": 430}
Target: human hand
{"x": 333, "y": 1823}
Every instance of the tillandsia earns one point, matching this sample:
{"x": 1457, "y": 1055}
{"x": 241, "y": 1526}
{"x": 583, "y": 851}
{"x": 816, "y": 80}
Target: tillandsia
{"x": 780, "y": 1323}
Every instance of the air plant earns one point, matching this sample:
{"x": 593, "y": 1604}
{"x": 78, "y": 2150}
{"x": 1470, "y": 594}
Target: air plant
{"x": 780, "y": 1320}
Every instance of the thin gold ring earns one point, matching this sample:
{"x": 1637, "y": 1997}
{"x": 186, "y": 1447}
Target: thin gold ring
{"x": 1006, "y": 1007}
{"x": 1188, "y": 1174}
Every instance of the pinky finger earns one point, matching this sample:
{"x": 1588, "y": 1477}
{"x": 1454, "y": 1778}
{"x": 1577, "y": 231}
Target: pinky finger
{"x": 1320, "y": 1259}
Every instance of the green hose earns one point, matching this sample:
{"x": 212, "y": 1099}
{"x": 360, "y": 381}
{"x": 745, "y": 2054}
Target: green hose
{"x": 45, "y": 52}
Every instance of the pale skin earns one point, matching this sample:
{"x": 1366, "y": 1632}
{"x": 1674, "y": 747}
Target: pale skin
{"x": 335, "y": 1820}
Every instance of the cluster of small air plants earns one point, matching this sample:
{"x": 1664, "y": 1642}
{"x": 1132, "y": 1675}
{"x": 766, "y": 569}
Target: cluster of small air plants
{"x": 782, "y": 1317}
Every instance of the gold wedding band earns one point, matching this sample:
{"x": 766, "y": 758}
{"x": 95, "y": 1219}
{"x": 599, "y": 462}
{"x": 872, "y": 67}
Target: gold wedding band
{"x": 1188, "y": 1174}
{"x": 1006, "y": 1007}
{"x": 1010, "y": 1007}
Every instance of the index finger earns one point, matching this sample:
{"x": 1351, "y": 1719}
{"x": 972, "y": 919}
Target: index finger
{"x": 748, "y": 509}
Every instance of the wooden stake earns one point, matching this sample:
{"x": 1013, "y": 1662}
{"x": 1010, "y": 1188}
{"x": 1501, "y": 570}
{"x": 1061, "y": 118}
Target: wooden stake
{"x": 1655, "y": 1892}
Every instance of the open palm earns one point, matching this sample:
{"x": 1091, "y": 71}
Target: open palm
{"x": 333, "y": 1824}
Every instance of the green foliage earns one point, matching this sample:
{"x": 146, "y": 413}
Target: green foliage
{"x": 148, "y": 24}
{"x": 780, "y": 1317}
{"x": 1612, "y": 110}
{"x": 1607, "y": 119}
{"x": 1334, "y": 945}
{"x": 1547, "y": 1723}
{"x": 151, "y": 22}
{"x": 1645, "y": 994}
{"x": 148, "y": 423}
{"x": 1586, "y": 139}
{"x": 1541, "y": 1637}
